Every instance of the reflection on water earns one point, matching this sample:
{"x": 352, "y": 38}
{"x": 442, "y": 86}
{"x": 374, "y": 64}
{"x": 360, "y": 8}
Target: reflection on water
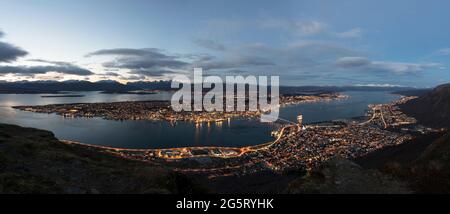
{"x": 146, "y": 134}
{"x": 354, "y": 106}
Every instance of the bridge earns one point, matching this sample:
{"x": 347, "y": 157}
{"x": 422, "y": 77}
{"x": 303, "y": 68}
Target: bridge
{"x": 377, "y": 114}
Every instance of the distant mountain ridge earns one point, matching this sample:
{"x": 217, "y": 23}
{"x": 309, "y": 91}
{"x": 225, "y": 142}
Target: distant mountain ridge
{"x": 55, "y": 86}
{"x": 431, "y": 109}
{"x": 30, "y": 87}
{"x": 155, "y": 85}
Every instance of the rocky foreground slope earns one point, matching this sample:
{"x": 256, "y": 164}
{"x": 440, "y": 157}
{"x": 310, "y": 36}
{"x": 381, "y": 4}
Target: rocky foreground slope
{"x": 34, "y": 161}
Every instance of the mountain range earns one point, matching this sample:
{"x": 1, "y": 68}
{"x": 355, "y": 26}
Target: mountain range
{"x": 24, "y": 87}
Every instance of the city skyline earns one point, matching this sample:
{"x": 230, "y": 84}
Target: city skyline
{"x": 304, "y": 42}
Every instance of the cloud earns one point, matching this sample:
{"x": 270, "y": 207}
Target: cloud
{"x": 385, "y": 85}
{"x": 222, "y": 29}
{"x": 301, "y": 27}
{"x": 350, "y": 34}
{"x": 9, "y": 53}
{"x": 32, "y": 70}
{"x": 209, "y": 44}
{"x": 405, "y": 68}
{"x": 319, "y": 50}
{"x": 236, "y": 61}
{"x": 153, "y": 52}
{"x": 59, "y": 63}
{"x": 141, "y": 60}
{"x": 350, "y": 62}
{"x": 112, "y": 74}
{"x": 443, "y": 52}
{"x": 297, "y": 58}
{"x": 150, "y": 72}
{"x": 135, "y": 78}
{"x": 144, "y": 63}
{"x": 400, "y": 68}
{"x": 308, "y": 28}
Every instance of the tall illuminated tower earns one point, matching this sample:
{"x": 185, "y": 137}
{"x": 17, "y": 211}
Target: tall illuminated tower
{"x": 300, "y": 120}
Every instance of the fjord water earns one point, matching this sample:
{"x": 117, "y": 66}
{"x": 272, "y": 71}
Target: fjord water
{"x": 147, "y": 134}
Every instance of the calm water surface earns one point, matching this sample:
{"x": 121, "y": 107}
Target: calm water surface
{"x": 146, "y": 134}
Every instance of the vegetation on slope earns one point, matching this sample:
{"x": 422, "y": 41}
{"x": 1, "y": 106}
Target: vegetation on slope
{"x": 34, "y": 161}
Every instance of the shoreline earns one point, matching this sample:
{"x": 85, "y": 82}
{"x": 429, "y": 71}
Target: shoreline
{"x": 239, "y": 150}
{"x": 161, "y": 110}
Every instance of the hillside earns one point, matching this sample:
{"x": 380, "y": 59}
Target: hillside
{"x": 412, "y": 92}
{"x": 432, "y": 108}
{"x": 432, "y": 169}
{"x": 340, "y": 176}
{"x": 429, "y": 172}
{"x": 34, "y": 161}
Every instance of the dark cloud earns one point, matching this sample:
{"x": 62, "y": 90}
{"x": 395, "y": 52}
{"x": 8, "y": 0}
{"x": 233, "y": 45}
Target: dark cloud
{"x": 147, "y": 62}
{"x": 303, "y": 61}
{"x": 150, "y": 73}
{"x": 261, "y": 59}
{"x": 209, "y": 44}
{"x": 233, "y": 62}
{"x": 135, "y": 78}
{"x": 112, "y": 74}
{"x": 251, "y": 59}
{"x": 32, "y": 70}
{"x": 149, "y": 58}
{"x": 153, "y": 52}
{"x": 399, "y": 68}
{"x": 349, "y": 62}
{"x": 9, "y": 53}
{"x": 144, "y": 63}
{"x": 59, "y": 63}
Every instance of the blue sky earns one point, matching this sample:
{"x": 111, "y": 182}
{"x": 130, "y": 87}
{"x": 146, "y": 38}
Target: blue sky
{"x": 317, "y": 42}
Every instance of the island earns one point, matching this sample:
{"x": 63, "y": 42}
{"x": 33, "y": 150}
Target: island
{"x": 162, "y": 111}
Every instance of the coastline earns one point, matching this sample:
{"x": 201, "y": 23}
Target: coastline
{"x": 161, "y": 110}
{"x": 158, "y": 152}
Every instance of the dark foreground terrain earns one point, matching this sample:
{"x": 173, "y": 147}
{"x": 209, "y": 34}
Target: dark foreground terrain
{"x": 34, "y": 161}
{"x": 421, "y": 165}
